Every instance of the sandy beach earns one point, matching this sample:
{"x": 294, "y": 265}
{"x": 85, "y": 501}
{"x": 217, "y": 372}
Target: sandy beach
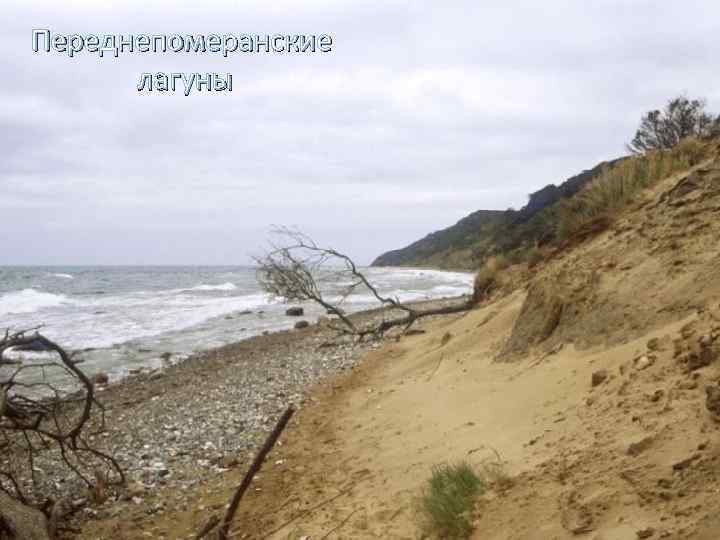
{"x": 370, "y": 428}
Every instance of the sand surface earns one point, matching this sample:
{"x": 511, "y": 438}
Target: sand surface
{"x": 602, "y": 423}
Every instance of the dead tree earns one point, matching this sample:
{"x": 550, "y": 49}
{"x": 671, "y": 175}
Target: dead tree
{"x": 297, "y": 269}
{"x": 49, "y": 417}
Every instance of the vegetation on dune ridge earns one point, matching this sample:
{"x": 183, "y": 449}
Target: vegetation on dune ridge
{"x": 487, "y": 278}
{"x": 681, "y": 118}
{"x": 618, "y": 185}
{"x": 667, "y": 141}
{"x": 468, "y": 243}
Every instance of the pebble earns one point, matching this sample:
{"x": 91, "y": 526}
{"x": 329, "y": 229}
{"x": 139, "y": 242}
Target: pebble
{"x": 206, "y": 411}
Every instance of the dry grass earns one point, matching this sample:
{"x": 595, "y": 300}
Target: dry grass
{"x": 495, "y": 473}
{"x": 486, "y": 279}
{"x": 618, "y": 185}
{"x": 448, "y": 499}
{"x": 534, "y": 256}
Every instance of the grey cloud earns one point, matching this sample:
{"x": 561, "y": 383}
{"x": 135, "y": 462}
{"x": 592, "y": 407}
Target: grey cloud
{"x": 423, "y": 113}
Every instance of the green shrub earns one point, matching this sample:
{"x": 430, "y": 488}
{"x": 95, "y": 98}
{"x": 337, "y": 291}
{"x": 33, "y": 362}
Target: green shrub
{"x": 680, "y": 119}
{"x": 448, "y": 500}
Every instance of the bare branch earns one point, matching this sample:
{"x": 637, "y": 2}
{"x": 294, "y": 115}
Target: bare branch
{"x": 297, "y": 269}
{"x": 46, "y": 406}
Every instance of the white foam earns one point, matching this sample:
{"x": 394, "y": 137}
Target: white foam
{"x": 449, "y": 290}
{"x": 29, "y": 301}
{"x": 99, "y": 321}
{"x": 435, "y": 275}
{"x": 408, "y": 295}
{"x": 62, "y": 276}
{"x": 129, "y": 318}
{"x": 223, "y": 287}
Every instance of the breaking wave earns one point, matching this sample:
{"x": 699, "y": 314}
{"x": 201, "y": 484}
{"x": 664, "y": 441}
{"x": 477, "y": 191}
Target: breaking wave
{"x": 29, "y": 301}
{"x": 223, "y": 287}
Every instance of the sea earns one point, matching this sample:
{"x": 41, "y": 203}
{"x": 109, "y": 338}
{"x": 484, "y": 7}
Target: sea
{"x": 122, "y": 319}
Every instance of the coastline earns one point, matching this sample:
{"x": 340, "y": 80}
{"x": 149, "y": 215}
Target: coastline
{"x": 176, "y": 428}
{"x": 128, "y": 319}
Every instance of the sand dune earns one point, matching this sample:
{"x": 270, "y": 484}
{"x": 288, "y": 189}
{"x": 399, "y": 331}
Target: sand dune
{"x": 635, "y": 456}
{"x": 591, "y": 382}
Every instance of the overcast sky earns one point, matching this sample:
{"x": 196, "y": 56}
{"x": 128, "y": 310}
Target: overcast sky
{"x": 422, "y": 113}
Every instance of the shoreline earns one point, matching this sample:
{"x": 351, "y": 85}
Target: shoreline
{"x": 174, "y": 429}
{"x": 174, "y": 360}
{"x": 165, "y": 323}
{"x": 225, "y": 353}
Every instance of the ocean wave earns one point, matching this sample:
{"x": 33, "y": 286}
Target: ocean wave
{"x": 87, "y": 318}
{"x": 29, "y": 301}
{"x": 222, "y": 287}
{"x": 449, "y": 290}
{"x": 409, "y": 295}
{"x": 118, "y": 320}
{"x": 62, "y": 276}
{"x": 388, "y": 278}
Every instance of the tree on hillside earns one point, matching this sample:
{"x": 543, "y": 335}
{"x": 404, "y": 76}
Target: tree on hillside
{"x": 680, "y": 118}
{"x": 297, "y": 269}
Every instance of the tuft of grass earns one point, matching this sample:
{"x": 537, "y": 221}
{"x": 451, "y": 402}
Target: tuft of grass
{"x": 486, "y": 279}
{"x": 592, "y": 209}
{"x": 448, "y": 500}
{"x": 534, "y": 256}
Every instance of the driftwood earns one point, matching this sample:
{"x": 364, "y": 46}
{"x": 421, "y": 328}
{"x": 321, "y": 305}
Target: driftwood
{"x": 45, "y": 422}
{"x": 257, "y": 463}
{"x": 296, "y": 268}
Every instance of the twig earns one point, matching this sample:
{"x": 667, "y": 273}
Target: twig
{"x": 436, "y": 367}
{"x": 344, "y": 521}
{"x": 308, "y": 511}
{"x": 36, "y": 414}
{"x": 252, "y": 471}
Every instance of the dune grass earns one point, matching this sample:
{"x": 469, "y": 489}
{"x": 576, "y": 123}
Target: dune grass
{"x": 621, "y": 183}
{"x": 448, "y": 499}
{"x": 486, "y": 279}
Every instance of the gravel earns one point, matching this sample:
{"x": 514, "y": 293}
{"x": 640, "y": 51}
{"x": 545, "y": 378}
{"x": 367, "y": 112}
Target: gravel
{"x": 172, "y": 428}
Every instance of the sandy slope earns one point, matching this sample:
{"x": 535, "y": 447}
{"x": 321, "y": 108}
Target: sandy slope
{"x": 636, "y": 455}
{"x": 418, "y": 403}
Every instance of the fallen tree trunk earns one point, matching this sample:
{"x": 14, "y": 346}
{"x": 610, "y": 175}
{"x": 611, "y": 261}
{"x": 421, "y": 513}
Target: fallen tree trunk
{"x": 413, "y": 315}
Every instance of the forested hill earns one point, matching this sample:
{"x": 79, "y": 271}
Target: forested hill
{"x": 471, "y": 240}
